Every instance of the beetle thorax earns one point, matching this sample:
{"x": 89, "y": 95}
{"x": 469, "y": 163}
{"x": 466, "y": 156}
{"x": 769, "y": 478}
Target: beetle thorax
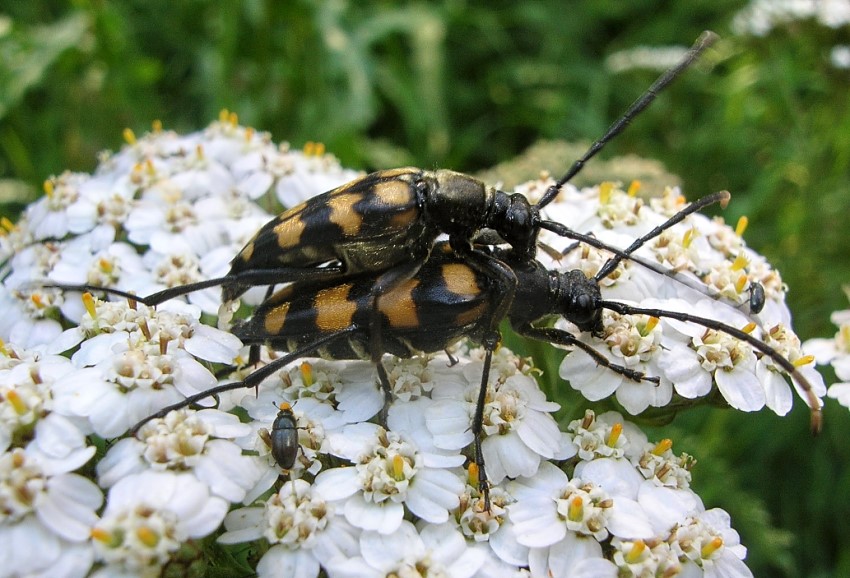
{"x": 455, "y": 201}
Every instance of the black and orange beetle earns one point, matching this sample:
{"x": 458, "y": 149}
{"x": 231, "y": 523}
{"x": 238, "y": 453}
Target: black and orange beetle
{"x": 385, "y": 224}
{"x": 447, "y": 300}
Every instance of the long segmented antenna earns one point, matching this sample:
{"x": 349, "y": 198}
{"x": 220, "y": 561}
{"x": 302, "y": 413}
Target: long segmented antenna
{"x": 813, "y": 401}
{"x": 255, "y": 378}
{"x": 705, "y": 40}
{"x": 721, "y": 197}
{"x": 757, "y": 297}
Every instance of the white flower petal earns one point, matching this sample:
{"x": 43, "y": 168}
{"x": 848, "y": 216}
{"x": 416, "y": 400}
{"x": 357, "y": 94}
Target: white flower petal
{"x": 540, "y": 433}
{"x": 432, "y": 493}
{"x": 448, "y": 421}
{"x": 565, "y": 556}
{"x": 629, "y": 521}
{"x": 384, "y": 518}
{"x": 382, "y": 550}
{"x": 447, "y": 545}
{"x": 59, "y": 445}
{"x": 507, "y": 456}
{"x": 121, "y": 460}
{"x": 840, "y": 392}
{"x": 536, "y": 522}
{"x": 243, "y": 525}
{"x": 616, "y": 476}
{"x": 741, "y": 389}
{"x": 667, "y": 507}
{"x": 212, "y": 344}
{"x": 281, "y": 562}
{"x": 506, "y": 546}
{"x": 682, "y": 367}
{"x": 594, "y": 381}
{"x": 68, "y": 506}
{"x": 777, "y": 392}
{"x": 337, "y": 483}
{"x": 18, "y": 540}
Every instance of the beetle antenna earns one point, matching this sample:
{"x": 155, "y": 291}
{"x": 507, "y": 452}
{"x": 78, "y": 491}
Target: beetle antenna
{"x": 252, "y": 380}
{"x": 705, "y": 40}
{"x": 721, "y": 197}
{"x": 813, "y": 401}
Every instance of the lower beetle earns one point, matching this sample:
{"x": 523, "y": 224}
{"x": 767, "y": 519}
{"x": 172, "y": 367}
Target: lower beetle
{"x": 447, "y": 300}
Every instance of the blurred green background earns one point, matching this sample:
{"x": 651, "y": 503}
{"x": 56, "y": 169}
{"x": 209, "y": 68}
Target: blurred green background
{"x": 468, "y": 85}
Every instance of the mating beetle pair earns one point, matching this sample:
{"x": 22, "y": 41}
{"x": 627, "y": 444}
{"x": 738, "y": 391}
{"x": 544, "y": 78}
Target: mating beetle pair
{"x": 367, "y": 279}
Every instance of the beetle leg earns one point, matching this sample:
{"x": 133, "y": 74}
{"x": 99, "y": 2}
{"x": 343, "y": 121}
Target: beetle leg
{"x": 561, "y": 337}
{"x": 252, "y": 380}
{"x": 385, "y": 283}
{"x": 506, "y": 282}
{"x": 250, "y": 278}
{"x": 452, "y": 359}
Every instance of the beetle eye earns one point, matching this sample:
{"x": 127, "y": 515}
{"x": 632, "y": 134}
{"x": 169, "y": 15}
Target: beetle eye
{"x": 584, "y": 307}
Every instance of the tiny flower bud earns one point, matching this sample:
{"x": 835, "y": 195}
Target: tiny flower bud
{"x": 662, "y": 447}
{"x": 147, "y": 536}
{"x": 743, "y": 222}
{"x": 88, "y": 303}
{"x": 634, "y": 554}
{"x": 576, "y": 510}
{"x": 307, "y": 373}
{"x": 616, "y": 431}
{"x": 711, "y": 547}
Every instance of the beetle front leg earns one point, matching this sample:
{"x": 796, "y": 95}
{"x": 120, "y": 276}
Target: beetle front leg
{"x": 505, "y": 281}
{"x": 489, "y": 342}
{"x": 384, "y": 284}
{"x": 561, "y": 337}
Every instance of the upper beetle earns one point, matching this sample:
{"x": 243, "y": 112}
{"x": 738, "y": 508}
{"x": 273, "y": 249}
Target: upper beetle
{"x": 387, "y": 222}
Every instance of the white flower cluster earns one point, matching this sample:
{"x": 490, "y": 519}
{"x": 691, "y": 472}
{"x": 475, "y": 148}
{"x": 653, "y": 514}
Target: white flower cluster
{"x": 839, "y": 56}
{"x": 761, "y": 16}
{"x": 692, "y": 361}
{"x": 658, "y": 58}
{"x": 361, "y": 499}
{"x": 836, "y": 352}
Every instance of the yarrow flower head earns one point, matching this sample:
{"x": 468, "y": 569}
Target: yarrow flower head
{"x": 713, "y": 277}
{"x": 835, "y": 352}
{"x": 761, "y": 16}
{"x": 43, "y": 505}
{"x": 149, "y": 517}
{"x": 191, "y": 441}
{"x": 374, "y": 488}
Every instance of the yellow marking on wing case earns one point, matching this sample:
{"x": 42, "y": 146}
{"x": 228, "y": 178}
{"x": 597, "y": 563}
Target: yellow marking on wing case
{"x": 334, "y": 310}
{"x": 349, "y": 185}
{"x": 247, "y": 251}
{"x": 405, "y": 219}
{"x": 344, "y": 214}
{"x": 471, "y": 316}
{"x": 275, "y": 319}
{"x": 460, "y": 279}
{"x": 289, "y": 232}
{"x": 399, "y": 307}
{"x": 392, "y": 173}
{"x": 395, "y": 193}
